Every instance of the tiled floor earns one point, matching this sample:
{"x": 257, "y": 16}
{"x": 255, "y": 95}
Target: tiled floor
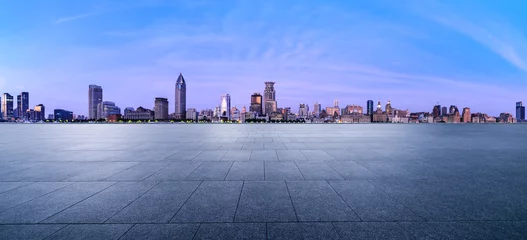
{"x": 263, "y": 181}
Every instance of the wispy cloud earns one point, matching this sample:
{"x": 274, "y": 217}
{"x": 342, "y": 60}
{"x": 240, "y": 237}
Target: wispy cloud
{"x": 76, "y": 17}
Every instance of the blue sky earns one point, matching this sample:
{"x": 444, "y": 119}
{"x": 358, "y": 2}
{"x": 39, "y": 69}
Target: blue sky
{"x": 414, "y": 53}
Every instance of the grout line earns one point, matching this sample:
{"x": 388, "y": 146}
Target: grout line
{"x": 120, "y": 210}
{"x": 238, "y": 204}
{"x": 291, "y": 199}
{"x": 180, "y": 207}
{"x": 299, "y": 170}
{"x": 341, "y": 198}
{"x": 133, "y": 225}
{"x": 196, "y": 233}
{"x": 227, "y": 174}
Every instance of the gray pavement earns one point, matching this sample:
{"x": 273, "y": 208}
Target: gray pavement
{"x": 263, "y": 181}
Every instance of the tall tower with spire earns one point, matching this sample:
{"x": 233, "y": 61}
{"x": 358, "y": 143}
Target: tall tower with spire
{"x": 181, "y": 98}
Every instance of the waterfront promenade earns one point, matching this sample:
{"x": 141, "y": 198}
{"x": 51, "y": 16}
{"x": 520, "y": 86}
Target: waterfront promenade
{"x": 263, "y": 181}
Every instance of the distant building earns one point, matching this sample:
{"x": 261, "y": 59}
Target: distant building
{"x": 436, "y": 112}
{"x": 40, "y": 113}
{"x": 51, "y": 116}
{"x": 270, "y": 104}
{"x": 107, "y": 108}
{"x": 506, "y": 118}
{"x": 7, "y": 106}
{"x": 520, "y": 111}
{"x": 369, "y": 107}
{"x": 181, "y": 98}
{"x": 317, "y": 109}
{"x": 256, "y": 104}
{"x": 192, "y": 114}
{"x": 389, "y": 109}
{"x": 161, "y": 109}
{"x": 140, "y": 113}
{"x": 94, "y": 98}
{"x": 225, "y": 107}
{"x": 206, "y": 114}
{"x": 22, "y": 103}
{"x": 352, "y": 109}
{"x": 379, "y": 116}
{"x": 444, "y": 111}
{"x": 63, "y": 115}
{"x": 466, "y": 118}
{"x": 303, "y": 111}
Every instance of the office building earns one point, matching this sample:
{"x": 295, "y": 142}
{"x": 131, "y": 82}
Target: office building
{"x": 7, "y": 106}
{"x": 191, "y": 114}
{"x": 107, "y": 108}
{"x": 444, "y": 111}
{"x": 225, "y": 107}
{"x": 63, "y": 115}
{"x": 466, "y": 116}
{"x": 303, "y": 111}
{"x": 520, "y": 112}
{"x": 94, "y": 99}
{"x": 270, "y": 104}
{"x": 22, "y": 103}
{"x": 369, "y": 107}
{"x": 317, "y": 109}
{"x": 181, "y": 98}
{"x": 436, "y": 112}
{"x": 256, "y": 104}
{"x": 40, "y": 113}
{"x": 161, "y": 109}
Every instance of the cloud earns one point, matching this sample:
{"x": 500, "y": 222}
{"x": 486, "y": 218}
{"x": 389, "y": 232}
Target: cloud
{"x": 73, "y": 18}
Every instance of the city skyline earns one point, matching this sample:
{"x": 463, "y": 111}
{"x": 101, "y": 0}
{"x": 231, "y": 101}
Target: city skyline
{"x": 339, "y": 50}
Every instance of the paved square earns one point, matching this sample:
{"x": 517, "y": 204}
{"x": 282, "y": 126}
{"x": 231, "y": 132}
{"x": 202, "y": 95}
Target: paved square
{"x": 263, "y": 181}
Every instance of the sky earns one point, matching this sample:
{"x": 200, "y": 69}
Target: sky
{"x": 414, "y": 53}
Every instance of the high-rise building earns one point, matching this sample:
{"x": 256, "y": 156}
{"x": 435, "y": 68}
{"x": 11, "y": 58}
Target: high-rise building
{"x": 466, "y": 118}
{"x": 436, "y": 112}
{"x": 63, "y": 115}
{"x": 270, "y": 104}
{"x": 225, "y": 106}
{"x": 453, "y": 109}
{"x": 40, "y": 113}
{"x": 107, "y": 108}
{"x": 256, "y": 104}
{"x": 191, "y": 114}
{"x": 18, "y": 113}
{"x": 389, "y": 109}
{"x": 317, "y": 109}
{"x": 94, "y": 98}
{"x": 303, "y": 110}
{"x": 7, "y": 106}
{"x": 181, "y": 98}
{"x": 520, "y": 111}
{"x": 161, "y": 109}
{"x": 24, "y": 103}
{"x": 444, "y": 111}
{"x": 369, "y": 107}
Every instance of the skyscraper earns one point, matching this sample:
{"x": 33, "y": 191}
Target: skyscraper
{"x": 24, "y": 106}
{"x": 161, "y": 109}
{"x": 40, "y": 112}
{"x": 303, "y": 110}
{"x": 369, "y": 107}
{"x": 520, "y": 111}
{"x": 256, "y": 104}
{"x": 18, "y": 111}
{"x": 225, "y": 106}
{"x": 181, "y": 98}
{"x": 436, "y": 112}
{"x": 63, "y": 115}
{"x": 466, "y": 115}
{"x": 7, "y": 106}
{"x": 270, "y": 104}
{"x": 94, "y": 98}
{"x": 444, "y": 111}
{"x": 317, "y": 109}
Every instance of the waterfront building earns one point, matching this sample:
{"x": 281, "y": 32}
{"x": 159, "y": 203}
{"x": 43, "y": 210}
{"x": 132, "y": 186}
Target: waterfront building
{"x": 63, "y": 115}
{"x": 317, "y": 109}
{"x": 161, "y": 109}
{"x": 352, "y": 109}
{"x": 303, "y": 111}
{"x": 520, "y": 112}
{"x": 40, "y": 112}
{"x": 23, "y": 105}
{"x": 444, "y": 111}
{"x": 270, "y": 104}
{"x": 191, "y": 114}
{"x": 466, "y": 117}
{"x": 94, "y": 99}
{"x": 7, "y": 106}
{"x": 180, "y": 102}
{"x": 436, "y": 112}
{"x": 389, "y": 109}
{"x": 379, "y": 116}
{"x": 506, "y": 118}
{"x": 256, "y": 104}
{"x": 140, "y": 113}
{"x": 106, "y": 108}
{"x": 225, "y": 107}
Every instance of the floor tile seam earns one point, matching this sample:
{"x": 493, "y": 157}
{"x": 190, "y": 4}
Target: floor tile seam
{"x": 366, "y": 168}
{"x": 227, "y": 174}
{"x": 196, "y": 232}
{"x": 336, "y": 230}
{"x": 342, "y": 199}
{"x": 266, "y": 231}
{"x": 298, "y": 168}
{"x": 412, "y": 235}
{"x": 238, "y": 203}
{"x": 291, "y": 200}
{"x": 41, "y": 221}
{"x": 125, "y": 232}
{"x": 159, "y": 170}
{"x": 130, "y": 203}
{"x": 180, "y": 207}
{"x": 396, "y": 200}
{"x": 30, "y": 200}
{"x": 27, "y": 183}
{"x": 335, "y": 170}
{"x": 264, "y": 163}
{"x": 58, "y": 230}
{"x": 126, "y": 169}
{"x": 85, "y": 171}
{"x": 185, "y": 179}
